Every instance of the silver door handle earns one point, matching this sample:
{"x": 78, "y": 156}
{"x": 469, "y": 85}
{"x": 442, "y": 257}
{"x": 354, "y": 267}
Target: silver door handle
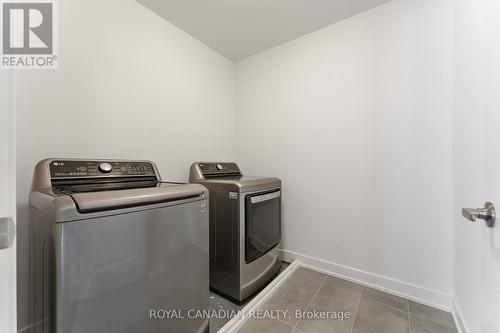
{"x": 488, "y": 214}
{"x": 7, "y": 232}
{"x": 265, "y": 197}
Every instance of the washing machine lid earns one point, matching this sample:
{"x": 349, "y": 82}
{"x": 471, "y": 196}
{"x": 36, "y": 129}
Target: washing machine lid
{"x": 87, "y": 202}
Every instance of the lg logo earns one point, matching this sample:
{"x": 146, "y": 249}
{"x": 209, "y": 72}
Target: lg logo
{"x": 28, "y": 29}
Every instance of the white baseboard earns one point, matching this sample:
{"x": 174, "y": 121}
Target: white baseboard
{"x": 459, "y": 318}
{"x": 410, "y": 291}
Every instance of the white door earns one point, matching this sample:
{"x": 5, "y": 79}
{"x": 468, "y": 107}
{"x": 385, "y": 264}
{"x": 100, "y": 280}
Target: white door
{"x": 490, "y": 251}
{"x": 7, "y": 206}
{"x": 477, "y": 162}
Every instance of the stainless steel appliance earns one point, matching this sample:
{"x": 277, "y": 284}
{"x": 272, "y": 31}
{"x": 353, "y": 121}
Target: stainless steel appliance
{"x": 245, "y": 227}
{"x": 111, "y": 244}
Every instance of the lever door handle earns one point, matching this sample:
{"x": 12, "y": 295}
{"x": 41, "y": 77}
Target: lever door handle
{"x": 7, "y": 232}
{"x": 488, "y": 214}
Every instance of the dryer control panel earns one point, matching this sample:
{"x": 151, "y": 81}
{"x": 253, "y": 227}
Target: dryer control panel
{"x": 216, "y": 169}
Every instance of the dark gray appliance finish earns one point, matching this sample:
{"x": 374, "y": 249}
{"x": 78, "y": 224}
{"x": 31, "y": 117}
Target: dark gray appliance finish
{"x": 245, "y": 227}
{"x": 109, "y": 242}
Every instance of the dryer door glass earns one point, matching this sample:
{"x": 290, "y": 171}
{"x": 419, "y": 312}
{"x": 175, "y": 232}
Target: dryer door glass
{"x": 262, "y": 223}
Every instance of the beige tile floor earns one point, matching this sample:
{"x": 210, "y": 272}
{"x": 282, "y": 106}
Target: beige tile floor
{"x": 371, "y": 311}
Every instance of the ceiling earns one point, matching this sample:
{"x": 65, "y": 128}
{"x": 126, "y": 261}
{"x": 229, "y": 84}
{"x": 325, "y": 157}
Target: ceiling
{"x": 240, "y": 28}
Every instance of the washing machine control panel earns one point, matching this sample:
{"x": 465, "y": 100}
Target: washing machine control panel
{"x": 79, "y": 169}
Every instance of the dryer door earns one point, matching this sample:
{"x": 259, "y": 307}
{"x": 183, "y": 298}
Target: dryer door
{"x": 262, "y": 223}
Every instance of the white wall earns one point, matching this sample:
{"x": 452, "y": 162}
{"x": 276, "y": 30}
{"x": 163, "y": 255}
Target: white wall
{"x": 129, "y": 85}
{"x": 356, "y": 120}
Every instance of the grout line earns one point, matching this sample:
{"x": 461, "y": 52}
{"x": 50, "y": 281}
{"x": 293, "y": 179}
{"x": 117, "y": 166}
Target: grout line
{"x": 357, "y": 309}
{"x": 435, "y": 321}
{"x": 409, "y": 323}
{"x": 311, "y": 280}
{"x": 381, "y": 303}
{"x": 284, "y": 322}
{"x": 287, "y": 324}
{"x": 310, "y": 302}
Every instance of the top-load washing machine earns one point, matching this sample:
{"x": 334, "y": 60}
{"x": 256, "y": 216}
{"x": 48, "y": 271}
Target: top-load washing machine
{"x": 245, "y": 227}
{"x": 112, "y": 248}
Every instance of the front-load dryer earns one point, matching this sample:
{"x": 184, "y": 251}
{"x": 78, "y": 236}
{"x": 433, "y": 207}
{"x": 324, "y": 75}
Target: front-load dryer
{"x": 245, "y": 227}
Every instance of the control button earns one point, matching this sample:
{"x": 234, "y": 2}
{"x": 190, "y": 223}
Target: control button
{"x": 105, "y": 167}
{"x": 219, "y": 166}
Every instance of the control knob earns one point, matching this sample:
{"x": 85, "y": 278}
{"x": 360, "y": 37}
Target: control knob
{"x": 219, "y": 166}
{"x": 105, "y": 167}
